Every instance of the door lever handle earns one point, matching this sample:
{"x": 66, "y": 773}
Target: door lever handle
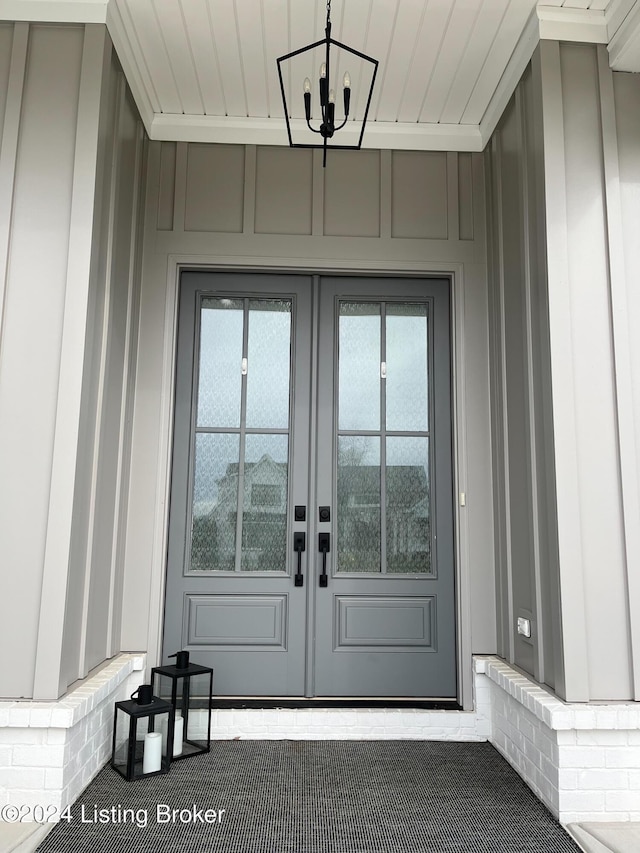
{"x": 324, "y": 545}
{"x": 299, "y": 545}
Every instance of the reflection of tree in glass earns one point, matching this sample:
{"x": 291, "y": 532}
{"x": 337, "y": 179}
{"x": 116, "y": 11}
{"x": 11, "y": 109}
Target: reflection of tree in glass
{"x": 358, "y": 516}
{"x": 204, "y": 543}
{"x": 408, "y": 519}
{"x": 263, "y": 523}
{"x": 356, "y": 450}
{"x": 408, "y": 524}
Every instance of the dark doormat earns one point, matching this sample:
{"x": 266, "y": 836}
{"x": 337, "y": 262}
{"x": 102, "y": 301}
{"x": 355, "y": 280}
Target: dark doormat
{"x": 317, "y": 797}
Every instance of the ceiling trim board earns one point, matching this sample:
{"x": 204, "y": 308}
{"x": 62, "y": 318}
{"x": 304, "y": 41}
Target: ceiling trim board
{"x": 624, "y": 47}
{"x": 566, "y": 24}
{"x": 616, "y": 14}
{"x": 54, "y": 11}
{"x": 514, "y": 21}
{"x": 151, "y": 54}
{"x": 127, "y": 57}
{"x": 379, "y": 135}
{"x": 516, "y": 66}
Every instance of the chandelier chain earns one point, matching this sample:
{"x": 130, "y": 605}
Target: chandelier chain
{"x": 328, "y": 9}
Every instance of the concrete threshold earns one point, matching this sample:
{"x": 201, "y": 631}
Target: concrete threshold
{"x": 22, "y": 837}
{"x": 607, "y": 837}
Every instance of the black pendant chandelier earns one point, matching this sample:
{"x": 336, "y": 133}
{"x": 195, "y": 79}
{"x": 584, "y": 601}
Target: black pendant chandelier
{"x": 328, "y": 125}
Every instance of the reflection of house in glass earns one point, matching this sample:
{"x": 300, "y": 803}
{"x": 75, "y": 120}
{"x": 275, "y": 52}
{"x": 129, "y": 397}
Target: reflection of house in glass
{"x": 408, "y": 526}
{"x": 264, "y": 520}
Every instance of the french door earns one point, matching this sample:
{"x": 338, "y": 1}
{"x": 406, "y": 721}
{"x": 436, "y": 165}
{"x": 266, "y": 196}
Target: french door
{"x": 311, "y": 518}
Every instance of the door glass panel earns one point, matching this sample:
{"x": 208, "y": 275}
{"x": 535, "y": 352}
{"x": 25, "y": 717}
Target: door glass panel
{"x": 383, "y": 494}
{"x": 220, "y": 379}
{"x": 407, "y": 375}
{"x": 359, "y": 366}
{"x": 235, "y": 469}
{"x": 408, "y": 516}
{"x": 215, "y": 502}
{"x": 358, "y": 517}
{"x": 264, "y": 506}
{"x": 269, "y": 357}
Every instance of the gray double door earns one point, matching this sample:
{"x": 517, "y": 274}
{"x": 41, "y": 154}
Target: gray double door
{"x": 311, "y": 517}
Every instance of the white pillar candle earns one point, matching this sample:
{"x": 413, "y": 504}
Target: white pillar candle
{"x": 152, "y": 757}
{"x": 178, "y": 733}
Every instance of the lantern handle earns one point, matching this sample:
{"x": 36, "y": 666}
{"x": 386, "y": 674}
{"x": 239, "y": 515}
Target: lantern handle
{"x": 144, "y": 694}
{"x": 182, "y": 659}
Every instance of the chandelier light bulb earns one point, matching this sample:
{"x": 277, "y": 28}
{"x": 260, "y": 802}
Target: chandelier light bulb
{"x": 346, "y": 80}
{"x": 323, "y": 70}
{"x": 307, "y": 84}
{"x": 332, "y": 96}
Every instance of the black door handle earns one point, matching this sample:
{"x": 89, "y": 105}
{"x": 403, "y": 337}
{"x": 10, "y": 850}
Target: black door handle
{"x": 324, "y": 545}
{"x": 299, "y": 545}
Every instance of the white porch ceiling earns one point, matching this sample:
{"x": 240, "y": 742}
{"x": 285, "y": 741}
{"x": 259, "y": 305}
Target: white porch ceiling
{"x": 208, "y": 67}
{"x": 205, "y": 70}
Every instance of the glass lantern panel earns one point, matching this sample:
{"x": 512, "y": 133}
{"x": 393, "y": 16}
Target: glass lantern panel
{"x": 121, "y": 745}
{"x": 197, "y": 722}
{"x": 163, "y": 686}
{"x": 191, "y": 697}
{"x": 167, "y": 688}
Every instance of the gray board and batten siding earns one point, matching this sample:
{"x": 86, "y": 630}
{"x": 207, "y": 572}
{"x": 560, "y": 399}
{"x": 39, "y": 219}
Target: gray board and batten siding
{"x": 71, "y": 175}
{"x": 562, "y": 178}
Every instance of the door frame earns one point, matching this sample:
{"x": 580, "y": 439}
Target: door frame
{"x": 454, "y": 272}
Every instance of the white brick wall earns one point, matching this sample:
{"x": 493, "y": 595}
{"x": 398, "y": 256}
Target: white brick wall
{"x": 50, "y": 751}
{"x": 354, "y": 724}
{"x": 350, "y": 724}
{"x": 524, "y": 741}
{"x": 583, "y": 761}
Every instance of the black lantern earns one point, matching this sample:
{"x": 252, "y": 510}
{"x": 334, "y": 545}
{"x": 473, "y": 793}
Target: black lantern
{"x": 328, "y": 124}
{"x": 189, "y": 689}
{"x": 142, "y": 728}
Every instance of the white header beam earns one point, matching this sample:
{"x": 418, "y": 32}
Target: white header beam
{"x": 379, "y": 135}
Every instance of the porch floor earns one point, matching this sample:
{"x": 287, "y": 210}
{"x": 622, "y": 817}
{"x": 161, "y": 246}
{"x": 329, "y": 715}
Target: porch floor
{"x": 317, "y": 797}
